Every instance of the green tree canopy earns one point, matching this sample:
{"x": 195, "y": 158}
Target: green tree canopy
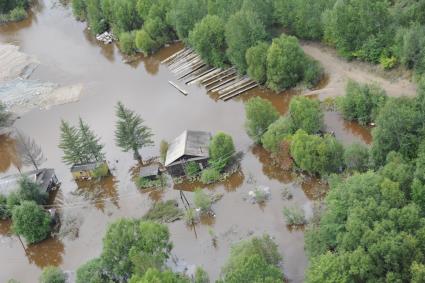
{"x": 399, "y": 125}
{"x": 256, "y": 59}
{"x": 52, "y": 274}
{"x": 356, "y": 157}
{"x": 315, "y": 154}
{"x": 31, "y": 221}
{"x": 153, "y": 275}
{"x": 243, "y": 30}
{"x": 276, "y": 133}
{"x": 285, "y": 63}
{"x": 362, "y": 103}
{"x": 221, "y": 150}
{"x": 260, "y": 114}
{"x": 70, "y": 144}
{"x": 306, "y": 114}
{"x": 186, "y": 13}
{"x": 207, "y": 38}
{"x": 92, "y": 272}
{"x": 131, "y": 133}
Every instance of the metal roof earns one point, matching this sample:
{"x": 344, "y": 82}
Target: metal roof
{"x": 150, "y": 170}
{"x": 86, "y": 166}
{"x": 190, "y": 143}
{"x": 10, "y": 183}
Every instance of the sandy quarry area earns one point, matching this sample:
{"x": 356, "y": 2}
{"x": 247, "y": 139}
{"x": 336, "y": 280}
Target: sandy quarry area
{"x": 340, "y": 71}
{"x": 21, "y": 94}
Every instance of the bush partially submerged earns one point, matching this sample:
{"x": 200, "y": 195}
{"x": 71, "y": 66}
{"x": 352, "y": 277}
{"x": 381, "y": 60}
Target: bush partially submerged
{"x": 294, "y": 216}
{"x": 210, "y": 176}
{"x": 202, "y": 200}
{"x": 101, "y": 171}
{"x": 165, "y": 212}
{"x": 52, "y": 274}
{"x": 145, "y": 183}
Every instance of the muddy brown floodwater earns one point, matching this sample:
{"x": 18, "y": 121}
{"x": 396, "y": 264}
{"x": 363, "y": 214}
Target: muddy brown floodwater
{"x": 69, "y": 55}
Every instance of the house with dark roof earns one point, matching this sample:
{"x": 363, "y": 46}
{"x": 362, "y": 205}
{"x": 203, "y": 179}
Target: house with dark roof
{"x": 190, "y": 146}
{"x": 46, "y": 178}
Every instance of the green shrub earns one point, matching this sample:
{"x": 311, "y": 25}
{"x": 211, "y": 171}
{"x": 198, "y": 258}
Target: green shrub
{"x": 356, "y": 157}
{"x": 260, "y": 114}
{"x": 294, "y": 215}
{"x": 210, "y": 175}
{"x": 362, "y": 103}
{"x": 256, "y": 59}
{"x": 91, "y": 272}
{"x": 79, "y": 9}
{"x": 101, "y": 171}
{"x": 221, "y": 150}
{"x": 202, "y": 200}
{"x": 145, "y": 183}
{"x": 201, "y": 276}
{"x": 276, "y": 133}
{"x": 128, "y": 42}
{"x": 145, "y": 43}
{"x": 313, "y": 72}
{"x": 164, "y": 212}
{"x": 18, "y": 14}
{"x": 306, "y": 114}
{"x": 4, "y": 211}
{"x": 192, "y": 169}
{"x": 52, "y": 274}
{"x": 31, "y": 221}
{"x": 190, "y": 216}
{"x": 388, "y": 62}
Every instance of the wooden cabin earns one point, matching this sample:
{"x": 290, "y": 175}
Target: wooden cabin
{"x": 46, "y": 178}
{"x": 150, "y": 172}
{"x": 190, "y": 146}
{"x": 86, "y": 171}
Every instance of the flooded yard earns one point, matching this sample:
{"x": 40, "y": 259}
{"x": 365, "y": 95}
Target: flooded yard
{"x": 68, "y": 55}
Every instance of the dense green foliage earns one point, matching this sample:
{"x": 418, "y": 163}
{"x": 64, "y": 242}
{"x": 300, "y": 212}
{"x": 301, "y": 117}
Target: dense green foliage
{"x": 52, "y": 274}
{"x": 31, "y": 221}
{"x": 153, "y": 275}
{"x": 315, "y": 154}
{"x": 210, "y": 175}
{"x": 276, "y": 133}
{"x": 164, "y": 212}
{"x": 131, "y": 133}
{"x": 294, "y": 215}
{"x": 207, "y": 38}
{"x": 362, "y": 103}
{"x": 256, "y": 60}
{"x": 221, "y": 150}
{"x": 243, "y": 30}
{"x": 374, "y": 232}
{"x": 254, "y": 260}
{"x": 13, "y": 10}
{"x": 260, "y": 114}
{"x": 306, "y": 114}
{"x": 356, "y": 157}
{"x": 91, "y": 272}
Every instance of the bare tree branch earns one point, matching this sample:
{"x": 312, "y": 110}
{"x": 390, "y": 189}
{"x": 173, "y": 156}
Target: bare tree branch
{"x": 30, "y": 152}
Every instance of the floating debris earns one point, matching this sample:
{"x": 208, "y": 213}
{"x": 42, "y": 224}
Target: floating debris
{"x": 106, "y": 37}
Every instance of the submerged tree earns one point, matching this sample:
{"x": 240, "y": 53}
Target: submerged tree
{"x": 131, "y": 133}
{"x": 5, "y": 116}
{"x": 30, "y": 152}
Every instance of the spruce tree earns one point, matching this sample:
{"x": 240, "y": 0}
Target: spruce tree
{"x": 90, "y": 143}
{"x": 70, "y": 144}
{"x": 131, "y": 133}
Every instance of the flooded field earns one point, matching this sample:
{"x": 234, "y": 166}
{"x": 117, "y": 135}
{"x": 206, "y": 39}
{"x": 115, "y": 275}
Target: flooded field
{"x": 69, "y": 55}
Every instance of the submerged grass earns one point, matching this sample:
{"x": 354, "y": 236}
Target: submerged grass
{"x": 164, "y": 212}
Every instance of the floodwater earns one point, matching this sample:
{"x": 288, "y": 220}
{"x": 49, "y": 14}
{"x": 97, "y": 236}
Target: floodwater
{"x": 69, "y": 55}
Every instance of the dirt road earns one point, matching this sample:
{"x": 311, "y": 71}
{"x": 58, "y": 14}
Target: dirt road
{"x": 340, "y": 70}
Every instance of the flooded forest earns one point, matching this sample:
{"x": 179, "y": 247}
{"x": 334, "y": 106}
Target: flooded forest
{"x": 55, "y": 69}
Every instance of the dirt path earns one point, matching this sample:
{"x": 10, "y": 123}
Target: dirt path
{"x": 340, "y": 70}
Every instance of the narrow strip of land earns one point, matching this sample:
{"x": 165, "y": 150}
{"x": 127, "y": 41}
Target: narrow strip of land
{"x": 340, "y": 70}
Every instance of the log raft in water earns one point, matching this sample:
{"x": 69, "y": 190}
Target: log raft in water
{"x": 178, "y": 88}
{"x": 239, "y": 90}
{"x": 206, "y": 75}
{"x": 220, "y": 79}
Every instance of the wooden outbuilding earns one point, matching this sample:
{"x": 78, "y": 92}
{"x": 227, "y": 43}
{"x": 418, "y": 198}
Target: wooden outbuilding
{"x": 86, "y": 171}
{"x": 150, "y": 172}
{"x": 190, "y": 146}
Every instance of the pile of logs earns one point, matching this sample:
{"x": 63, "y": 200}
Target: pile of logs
{"x": 191, "y": 69}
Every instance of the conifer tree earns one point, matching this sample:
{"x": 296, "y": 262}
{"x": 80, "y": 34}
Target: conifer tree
{"x": 131, "y": 133}
{"x": 90, "y": 143}
{"x": 70, "y": 144}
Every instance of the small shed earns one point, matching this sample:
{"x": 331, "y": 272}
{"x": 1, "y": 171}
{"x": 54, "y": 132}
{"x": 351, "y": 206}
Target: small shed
{"x": 190, "y": 146}
{"x": 86, "y": 171}
{"x": 150, "y": 172}
{"x": 46, "y": 178}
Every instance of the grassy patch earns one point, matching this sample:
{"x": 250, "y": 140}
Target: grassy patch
{"x": 164, "y": 212}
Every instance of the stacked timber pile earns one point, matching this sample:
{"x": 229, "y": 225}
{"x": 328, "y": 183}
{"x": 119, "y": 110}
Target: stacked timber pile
{"x": 191, "y": 69}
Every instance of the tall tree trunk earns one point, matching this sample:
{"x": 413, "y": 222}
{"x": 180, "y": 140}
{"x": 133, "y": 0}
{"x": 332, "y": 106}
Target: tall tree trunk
{"x": 137, "y": 155}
